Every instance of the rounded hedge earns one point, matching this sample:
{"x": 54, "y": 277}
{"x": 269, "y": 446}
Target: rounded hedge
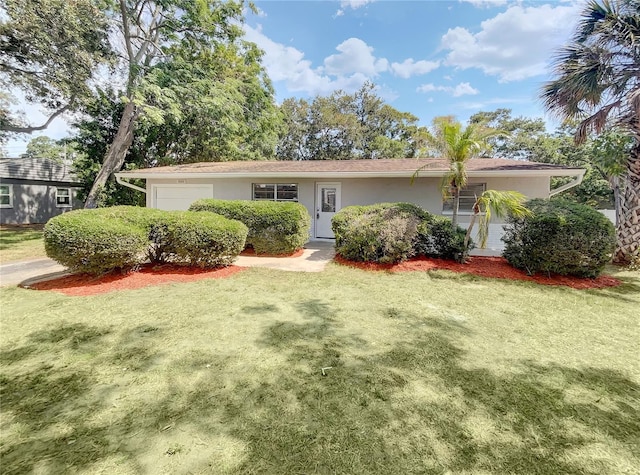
{"x": 101, "y": 240}
{"x": 274, "y": 227}
{"x": 196, "y": 239}
{"x": 85, "y": 241}
{"x": 560, "y": 237}
{"x": 394, "y": 232}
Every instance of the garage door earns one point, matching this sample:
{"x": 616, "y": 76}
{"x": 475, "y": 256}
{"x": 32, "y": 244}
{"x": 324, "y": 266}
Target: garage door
{"x": 180, "y": 197}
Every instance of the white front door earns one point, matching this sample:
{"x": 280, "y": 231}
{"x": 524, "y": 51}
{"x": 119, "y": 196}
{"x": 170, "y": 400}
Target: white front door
{"x": 327, "y": 205}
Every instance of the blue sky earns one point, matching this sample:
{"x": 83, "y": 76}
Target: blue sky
{"x": 430, "y": 58}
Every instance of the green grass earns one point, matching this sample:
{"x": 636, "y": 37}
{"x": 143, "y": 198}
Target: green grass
{"x": 428, "y": 373}
{"x": 20, "y": 243}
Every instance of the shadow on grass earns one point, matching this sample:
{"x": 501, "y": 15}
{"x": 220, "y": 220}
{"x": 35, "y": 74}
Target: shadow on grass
{"x": 414, "y": 408}
{"x": 9, "y": 237}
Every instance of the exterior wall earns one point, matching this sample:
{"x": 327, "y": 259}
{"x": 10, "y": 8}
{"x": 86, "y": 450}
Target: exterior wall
{"x": 424, "y": 192}
{"x": 35, "y": 202}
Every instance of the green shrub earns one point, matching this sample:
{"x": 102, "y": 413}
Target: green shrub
{"x": 560, "y": 238}
{"x": 122, "y": 237}
{"x": 383, "y": 232}
{"x": 196, "y": 239}
{"x": 274, "y": 227}
{"x": 394, "y": 232}
{"x": 438, "y": 238}
{"x": 85, "y": 241}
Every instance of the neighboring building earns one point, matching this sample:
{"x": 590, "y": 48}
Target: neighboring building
{"x": 33, "y": 190}
{"x": 324, "y": 187}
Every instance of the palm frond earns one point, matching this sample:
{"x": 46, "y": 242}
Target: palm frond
{"x": 500, "y": 203}
{"x": 596, "y": 76}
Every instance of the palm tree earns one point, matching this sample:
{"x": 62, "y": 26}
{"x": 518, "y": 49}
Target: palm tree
{"x": 458, "y": 145}
{"x": 499, "y": 203}
{"x": 598, "y": 82}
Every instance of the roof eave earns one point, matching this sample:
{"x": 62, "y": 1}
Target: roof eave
{"x": 340, "y": 175}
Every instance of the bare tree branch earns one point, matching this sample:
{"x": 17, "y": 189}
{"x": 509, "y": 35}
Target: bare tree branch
{"x": 35, "y": 128}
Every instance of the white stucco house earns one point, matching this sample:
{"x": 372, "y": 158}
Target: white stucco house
{"x": 324, "y": 187}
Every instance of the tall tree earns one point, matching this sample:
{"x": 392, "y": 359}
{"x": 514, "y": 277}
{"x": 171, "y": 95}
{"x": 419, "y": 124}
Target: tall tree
{"x": 597, "y": 83}
{"x": 46, "y": 147}
{"x": 50, "y": 50}
{"x": 449, "y": 139}
{"x": 346, "y": 126}
{"x": 161, "y": 34}
{"x": 526, "y": 138}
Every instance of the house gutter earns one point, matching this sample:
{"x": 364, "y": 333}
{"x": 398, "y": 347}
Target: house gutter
{"x": 575, "y": 182}
{"x": 337, "y": 175}
{"x": 120, "y": 181}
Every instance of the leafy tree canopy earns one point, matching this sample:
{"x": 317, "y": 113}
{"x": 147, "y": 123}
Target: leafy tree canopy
{"x": 596, "y": 83}
{"x": 50, "y": 50}
{"x": 346, "y": 126}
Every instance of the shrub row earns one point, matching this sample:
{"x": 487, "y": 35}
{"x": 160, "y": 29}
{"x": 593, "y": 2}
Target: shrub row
{"x": 394, "y": 232}
{"x": 96, "y": 241}
{"x": 559, "y": 237}
{"x": 274, "y": 227}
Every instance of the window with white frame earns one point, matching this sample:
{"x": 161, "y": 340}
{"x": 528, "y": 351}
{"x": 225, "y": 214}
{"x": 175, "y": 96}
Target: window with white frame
{"x": 275, "y": 191}
{"x": 6, "y": 196}
{"x": 468, "y": 196}
{"x": 63, "y": 197}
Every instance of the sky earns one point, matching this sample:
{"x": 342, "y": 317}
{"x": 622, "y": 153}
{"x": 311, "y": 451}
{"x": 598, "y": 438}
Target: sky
{"x": 429, "y": 58}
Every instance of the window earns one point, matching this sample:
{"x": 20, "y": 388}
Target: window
{"x": 275, "y": 191}
{"x": 63, "y": 197}
{"x": 6, "y": 196}
{"x": 468, "y": 196}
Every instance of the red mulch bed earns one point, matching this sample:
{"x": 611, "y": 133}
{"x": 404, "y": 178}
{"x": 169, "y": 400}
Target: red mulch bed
{"x": 84, "y": 284}
{"x": 493, "y": 267}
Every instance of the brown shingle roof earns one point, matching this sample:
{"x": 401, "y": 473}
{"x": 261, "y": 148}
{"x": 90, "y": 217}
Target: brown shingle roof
{"x": 429, "y": 166}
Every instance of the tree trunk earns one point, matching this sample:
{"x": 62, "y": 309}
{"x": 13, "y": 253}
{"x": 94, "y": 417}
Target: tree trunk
{"x": 614, "y": 183}
{"x": 467, "y": 236}
{"x": 456, "y": 206}
{"x": 116, "y": 153}
{"x": 628, "y": 217}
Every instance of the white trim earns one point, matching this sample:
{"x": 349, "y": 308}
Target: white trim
{"x": 575, "y": 182}
{"x": 339, "y": 175}
{"x": 69, "y": 196}
{"x": 121, "y": 181}
{"x": 316, "y": 208}
{"x": 275, "y": 192}
{"x": 10, "y": 195}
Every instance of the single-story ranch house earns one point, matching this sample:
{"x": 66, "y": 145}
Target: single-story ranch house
{"x": 326, "y": 186}
{"x": 33, "y": 190}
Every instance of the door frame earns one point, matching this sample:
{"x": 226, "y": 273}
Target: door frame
{"x": 317, "y": 203}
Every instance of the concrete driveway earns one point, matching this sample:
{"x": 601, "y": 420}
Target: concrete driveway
{"x": 15, "y": 273}
{"x": 314, "y": 258}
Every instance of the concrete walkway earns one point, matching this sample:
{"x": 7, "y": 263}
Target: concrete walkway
{"x": 15, "y": 273}
{"x": 314, "y": 258}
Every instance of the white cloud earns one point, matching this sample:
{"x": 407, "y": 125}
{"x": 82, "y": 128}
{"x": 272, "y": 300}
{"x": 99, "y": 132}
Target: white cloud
{"x": 349, "y": 69}
{"x": 288, "y": 64}
{"x": 462, "y": 89}
{"x": 354, "y": 56}
{"x": 285, "y": 63}
{"x": 486, "y": 3}
{"x": 409, "y": 67}
{"x": 352, "y": 4}
{"x": 513, "y": 45}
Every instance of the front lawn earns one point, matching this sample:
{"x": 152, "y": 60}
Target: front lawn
{"x": 21, "y": 242}
{"x": 423, "y": 373}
